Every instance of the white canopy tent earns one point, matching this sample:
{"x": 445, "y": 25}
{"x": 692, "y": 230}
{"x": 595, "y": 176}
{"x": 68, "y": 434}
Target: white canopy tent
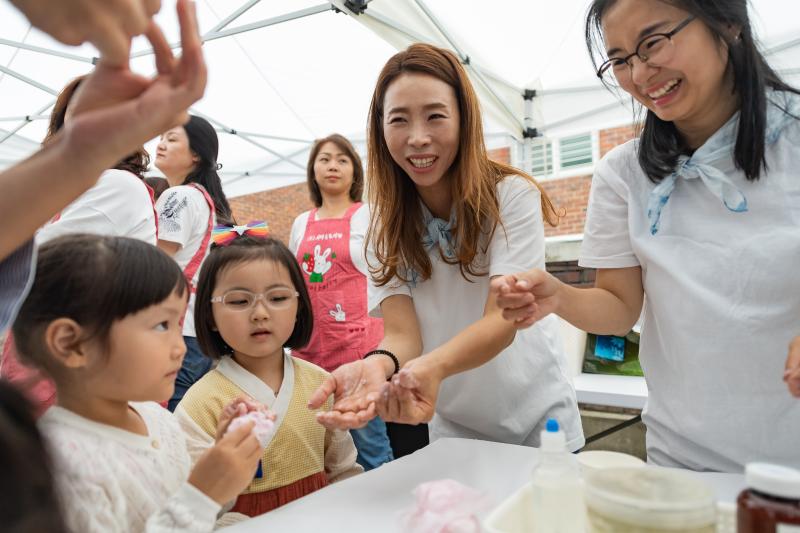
{"x": 284, "y": 73}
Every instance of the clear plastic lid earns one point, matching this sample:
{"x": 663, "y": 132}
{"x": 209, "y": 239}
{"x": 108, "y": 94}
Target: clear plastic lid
{"x": 651, "y": 497}
{"x": 774, "y": 480}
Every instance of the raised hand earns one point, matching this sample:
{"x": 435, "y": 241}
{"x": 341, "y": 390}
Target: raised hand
{"x": 792, "y": 374}
{"x": 108, "y": 24}
{"x": 355, "y": 388}
{"x": 527, "y": 297}
{"x": 115, "y": 111}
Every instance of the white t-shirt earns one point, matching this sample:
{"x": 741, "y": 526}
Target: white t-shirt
{"x": 509, "y": 398}
{"x": 722, "y": 303}
{"x": 359, "y": 223}
{"x": 115, "y": 481}
{"x": 183, "y": 219}
{"x": 117, "y": 205}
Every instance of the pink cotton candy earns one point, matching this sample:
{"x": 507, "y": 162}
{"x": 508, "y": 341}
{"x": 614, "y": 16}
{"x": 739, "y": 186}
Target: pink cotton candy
{"x": 445, "y": 506}
{"x": 263, "y": 428}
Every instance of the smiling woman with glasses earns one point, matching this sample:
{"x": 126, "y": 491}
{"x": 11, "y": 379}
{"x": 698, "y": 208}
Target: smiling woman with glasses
{"x": 654, "y": 49}
{"x": 700, "y": 217}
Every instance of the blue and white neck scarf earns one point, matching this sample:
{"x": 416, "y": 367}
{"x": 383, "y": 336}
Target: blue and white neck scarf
{"x": 719, "y": 145}
{"x": 437, "y": 234}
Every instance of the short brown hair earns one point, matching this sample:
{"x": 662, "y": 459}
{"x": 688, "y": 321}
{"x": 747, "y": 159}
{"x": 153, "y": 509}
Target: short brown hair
{"x": 356, "y": 189}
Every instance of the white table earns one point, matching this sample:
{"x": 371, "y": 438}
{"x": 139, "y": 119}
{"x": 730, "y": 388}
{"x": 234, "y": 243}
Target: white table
{"x": 372, "y": 502}
{"x": 614, "y": 391}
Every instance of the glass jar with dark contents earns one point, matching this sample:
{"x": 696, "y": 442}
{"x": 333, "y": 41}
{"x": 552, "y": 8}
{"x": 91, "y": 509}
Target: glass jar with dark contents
{"x": 771, "y": 502}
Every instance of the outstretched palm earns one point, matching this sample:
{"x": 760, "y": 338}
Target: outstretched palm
{"x": 355, "y": 388}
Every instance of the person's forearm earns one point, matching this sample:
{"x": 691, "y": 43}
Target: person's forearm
{"x": 597, "y": 310}
{"x": 404, "y": 346}
{"x": 473, "y": 346}
{"x": 39, "y": 187}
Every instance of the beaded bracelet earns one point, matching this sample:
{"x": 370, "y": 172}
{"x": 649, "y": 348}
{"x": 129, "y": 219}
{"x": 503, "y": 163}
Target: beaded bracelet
{"x": 390, "y": 354}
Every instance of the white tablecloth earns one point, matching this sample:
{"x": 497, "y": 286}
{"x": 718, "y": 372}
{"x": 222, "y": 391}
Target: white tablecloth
{"x": 372, "y": 502}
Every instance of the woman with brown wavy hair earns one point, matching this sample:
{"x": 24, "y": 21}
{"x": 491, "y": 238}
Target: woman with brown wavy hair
{"x": 119, "y": 204}
{"x": 446, "y": 219}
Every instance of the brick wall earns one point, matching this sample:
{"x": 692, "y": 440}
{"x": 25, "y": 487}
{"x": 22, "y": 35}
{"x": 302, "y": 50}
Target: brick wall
{"x": 570, "y": 197}
{"x": 615, "y": 136}
{"x": 279, "y": 207}
{"x": 570, "y": 273}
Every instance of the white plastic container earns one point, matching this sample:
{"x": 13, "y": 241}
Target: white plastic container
{"x": 556, "y": 487}
{"x": 648, "y": 500}
{"x": 596, "y": 460}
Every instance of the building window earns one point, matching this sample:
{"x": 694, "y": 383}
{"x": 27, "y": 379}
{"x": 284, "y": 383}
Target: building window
{"x": 542, "y": 157}
{"x": 575, "y": 151}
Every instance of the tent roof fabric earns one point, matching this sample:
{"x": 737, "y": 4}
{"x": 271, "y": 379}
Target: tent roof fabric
{"x": 284, "y": 73}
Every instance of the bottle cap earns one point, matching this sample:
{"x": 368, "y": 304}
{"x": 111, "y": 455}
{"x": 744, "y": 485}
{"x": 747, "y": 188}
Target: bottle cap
{"x": 552, "y": 438}
{"x": 776, "y": 480}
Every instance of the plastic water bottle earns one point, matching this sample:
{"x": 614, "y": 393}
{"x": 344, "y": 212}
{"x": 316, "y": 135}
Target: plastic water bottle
{"x": 558, "y": 505}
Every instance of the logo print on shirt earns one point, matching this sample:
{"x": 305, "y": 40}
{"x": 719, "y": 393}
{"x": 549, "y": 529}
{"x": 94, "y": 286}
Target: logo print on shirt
{"x": 169, "y": 216}
{"x": 317, "y": 266}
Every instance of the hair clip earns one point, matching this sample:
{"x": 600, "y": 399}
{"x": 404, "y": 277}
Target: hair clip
{"x": 224, "y": 235}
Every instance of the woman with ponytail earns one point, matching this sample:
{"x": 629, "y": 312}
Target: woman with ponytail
{"x": 700, "y": 218}
{"x": 187, "y": 212}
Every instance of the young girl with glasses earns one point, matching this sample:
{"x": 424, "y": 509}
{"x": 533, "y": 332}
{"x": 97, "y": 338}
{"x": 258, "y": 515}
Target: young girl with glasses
{"x": 252, "y": 304}
{"x": 697, "y": 222}
{"x": 103, "y": 321}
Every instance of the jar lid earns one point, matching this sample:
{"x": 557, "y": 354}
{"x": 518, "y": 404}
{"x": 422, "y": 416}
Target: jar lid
{"x": 775, "y": 480}
{"x": 651, "y": 497}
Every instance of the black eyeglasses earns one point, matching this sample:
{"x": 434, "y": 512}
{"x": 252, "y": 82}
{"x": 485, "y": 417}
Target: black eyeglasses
{"x": 654, "y": 49}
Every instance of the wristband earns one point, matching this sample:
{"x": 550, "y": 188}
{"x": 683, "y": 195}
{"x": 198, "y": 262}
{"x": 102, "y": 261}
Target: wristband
{"x": 387, "y": 353}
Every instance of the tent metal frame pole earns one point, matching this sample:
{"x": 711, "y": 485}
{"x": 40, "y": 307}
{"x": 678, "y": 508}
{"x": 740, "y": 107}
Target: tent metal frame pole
{"x": 377, "y": 17}
{"x": 213, "y": 35}
{"x": 274, "y": 137}
{"x": 29, "y": 81}
{"x": 24, "y": 123}
{"x": 27, "y": 118}
{"x": 244, "y": 137}
{"x": 466, "y": 60}
{"x": 251, "y": 173}
{"x": 321, "y": 8}
{"x": 783, "y": 46}
{"x": 233, "y": 16}
{"x": 585, "y": 114}
{"x": 571, "y": 90}
{"x": 47, "y": 51}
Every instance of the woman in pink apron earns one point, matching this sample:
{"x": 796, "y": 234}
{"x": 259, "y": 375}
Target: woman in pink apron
{"x": 328, "y": 242}
{"x": 187, "y": 212}
{"x": 119, "y": 204}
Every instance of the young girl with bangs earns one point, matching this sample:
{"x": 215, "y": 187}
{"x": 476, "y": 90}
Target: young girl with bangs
{"x": 446, "y": 220}
{"x": 252, "y": 304}
{"x": 102, "y": 319}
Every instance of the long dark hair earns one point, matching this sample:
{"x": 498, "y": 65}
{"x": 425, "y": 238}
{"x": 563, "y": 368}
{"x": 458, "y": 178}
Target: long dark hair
{"x": 241, "y": 250}
{"x": 203, "y": 142}
{"x": 356, "y": 189}
{"x": 95, "y": 281}
{"x": 28, "y": 499}
{"x": 660, "y": 143}
{"x": 136, "y": 163}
